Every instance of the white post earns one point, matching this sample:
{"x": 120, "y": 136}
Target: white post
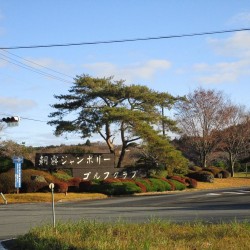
{"x": 5, "y": 201}
{"x": 51, "y": 186}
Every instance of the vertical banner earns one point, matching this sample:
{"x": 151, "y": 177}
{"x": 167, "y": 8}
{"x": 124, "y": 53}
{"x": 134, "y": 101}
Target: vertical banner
{"x": 18, "y": 175}
{"x": 18, "y": 171}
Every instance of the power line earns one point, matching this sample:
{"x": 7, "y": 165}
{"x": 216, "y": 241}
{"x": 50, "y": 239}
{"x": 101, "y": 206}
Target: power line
{"x": 36, "y": 71}
{"x": 29, "y": 61}
{"x": 28, "y": 67}
{"x": 125, "y": 40}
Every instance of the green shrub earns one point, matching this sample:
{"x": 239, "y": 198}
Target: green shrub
{"x": 110, "y": 188}
{"x": 146, "y": 183}
{"x": 161, "y": 173}
{"x": 141, "y": 186}
{"x": 158, "y": 185}
{"x": 178, "y": 185}
{"x": 6, "y": 164}
{"x": 62, "y": 175}
{"x": 118, "y": 188}
{"x": 172, "y": 186}
{"x": 130, "y": 188}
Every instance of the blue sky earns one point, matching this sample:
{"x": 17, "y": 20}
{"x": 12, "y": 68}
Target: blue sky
{"x": 177, "y": 66}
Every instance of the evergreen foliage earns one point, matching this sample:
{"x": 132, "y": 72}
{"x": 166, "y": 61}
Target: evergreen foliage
{"x": 101, "y": 103}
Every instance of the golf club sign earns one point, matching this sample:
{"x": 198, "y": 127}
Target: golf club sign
{"x": 87, "y": 166}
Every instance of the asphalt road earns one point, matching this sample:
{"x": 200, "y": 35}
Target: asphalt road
{"x": 209, "y": 206}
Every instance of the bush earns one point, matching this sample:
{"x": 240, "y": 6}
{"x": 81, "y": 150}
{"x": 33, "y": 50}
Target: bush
{"x": 85, "y": 186}
{"x": 28, "y": 173}
{"x": 111, "y": 180}
{"x": 179, "y": 179}
{"x": 204, "y": 176}
{"x": 146, "y": 183}
{"x": 214, "y": 170}
{"x": 118, "y": 188}
{"x": 195, "y": 168}
{"x": 225, "y": 174}
{"x": 109, "y": 188}
{"x": 141, "y": 186}
{"x": 159, "y": 185}
{"x": 61, "y": 187}
{"x": 130, "y": 188}
{"x": 178, "y": 185}
{"x": 92, "y": 186}
{"x": 62, "y": 175}
{"x": 34, "y": 186}
{"x": 191, "y": 183}
{"x": 73, "y": 184}
{"x": 7, "y": 181}
{"x": 6, "y": 164}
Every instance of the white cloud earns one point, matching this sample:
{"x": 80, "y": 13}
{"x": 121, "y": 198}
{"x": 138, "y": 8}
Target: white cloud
{"x": 236, "y": 49}
{"x": 241, "y": 18}
{"x": 222, "y": 72}
{"x": 238, "y": 45}
{"x": 10, "y": 105}
{"x": 130, "y": 72}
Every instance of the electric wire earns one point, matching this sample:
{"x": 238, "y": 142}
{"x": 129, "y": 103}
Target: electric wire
{"x": 29, "y": 61}
{"x": 36, "y": 71}
{"x": 125, "y": 40}
{"x": 28, "y": 67}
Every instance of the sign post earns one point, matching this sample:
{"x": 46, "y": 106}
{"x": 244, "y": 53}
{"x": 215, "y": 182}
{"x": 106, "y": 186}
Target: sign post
{"x": 52, "y": 186}
{"x": 18, "y": 171}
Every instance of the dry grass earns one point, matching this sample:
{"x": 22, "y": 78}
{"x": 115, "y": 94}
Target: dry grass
{"x": 47, "y": 197}
{"x": 225, "y": 183}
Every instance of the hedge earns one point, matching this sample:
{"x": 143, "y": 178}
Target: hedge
{"x": 204, "y": 176}
{"x": 118, "y": 188}
{"x": 33, "y": 186}
{"x": 178, "y": 185}
{"x": 146, "y": 183}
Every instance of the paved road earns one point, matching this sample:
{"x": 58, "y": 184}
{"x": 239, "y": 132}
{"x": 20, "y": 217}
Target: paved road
{"x": 210, "y": 206}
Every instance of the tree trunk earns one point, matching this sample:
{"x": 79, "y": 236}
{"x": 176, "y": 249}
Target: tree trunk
{"x": 110, "y": 146}
{"x": 121, "y": 157}
{"x": 203, "y": 157}
{"x": 124, "y": 145}
{"x": 231, "y": 162}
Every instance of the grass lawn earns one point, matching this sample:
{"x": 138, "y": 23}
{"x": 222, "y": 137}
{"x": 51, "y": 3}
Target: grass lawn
{"x": 153, "y": 235}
